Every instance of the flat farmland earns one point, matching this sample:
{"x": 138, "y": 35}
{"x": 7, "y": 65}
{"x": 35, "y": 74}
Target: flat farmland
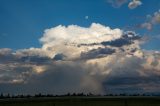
{"x": 82, "y": 101}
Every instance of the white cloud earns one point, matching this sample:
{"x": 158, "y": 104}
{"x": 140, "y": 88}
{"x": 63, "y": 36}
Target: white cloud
{"x": 62, "y": 39}
{"x": 134, "y": 4}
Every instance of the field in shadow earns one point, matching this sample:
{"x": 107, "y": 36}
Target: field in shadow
{"x": 82, "y": 101}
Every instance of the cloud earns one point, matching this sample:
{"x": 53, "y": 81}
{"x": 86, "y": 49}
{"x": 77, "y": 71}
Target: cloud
{"x": 146, "y": 25}
{"x": 86, "y": 17}
{"x": 131, "y": 5}
{"x": 97, "y": 53}
{"x": 59, "y": 56}
{"x": 94, "y": 59}
{"x": 62, "y": 39}
{"x": 5, "y": 51}
{"x": 155, "y": 19}
{"x": 126, "y": 39}
{"x": 134, "y": 4}
{"x": 117, "y": 3}
{"x": 151, "y": 21}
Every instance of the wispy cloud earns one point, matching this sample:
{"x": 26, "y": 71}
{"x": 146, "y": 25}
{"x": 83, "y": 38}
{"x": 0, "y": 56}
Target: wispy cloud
{"x": 131, "y": 5}
{"x": 117, "y": 3}
{"x": 151, "y": 21}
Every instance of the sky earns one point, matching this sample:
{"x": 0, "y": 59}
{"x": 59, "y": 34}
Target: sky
{"x": 73, "y": 46}
{"x": 24, "y": 21}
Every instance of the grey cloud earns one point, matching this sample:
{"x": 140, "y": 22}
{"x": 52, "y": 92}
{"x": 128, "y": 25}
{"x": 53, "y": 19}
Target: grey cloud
{"x": 138, "y": 84}
{"x": 58, "y": 79}
{"x": 15, "y": 73}
{"x": 35, "y": 60}
{"x": 131, "y": 77}
{"x": 117, "y": 43}
{"x": 76, "y": 76}
{"x": 126, "y": 39}
{"x": 97, "y": 53}
{"x": 58, "y": 56}
{"x": 9, "y": 56}
{"x": 15, "y": 68}
{"x": 6, "y": 55}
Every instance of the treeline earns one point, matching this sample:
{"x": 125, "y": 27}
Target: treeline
{"x": 2, "y": 96}
{"x": 44, "y": 95}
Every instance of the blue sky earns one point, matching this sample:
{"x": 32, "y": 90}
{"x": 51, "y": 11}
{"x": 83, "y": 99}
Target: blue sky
{"x": 22, "y": 22}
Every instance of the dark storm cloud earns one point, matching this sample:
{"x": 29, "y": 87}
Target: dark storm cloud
{"x": 58, "y": 79}
{"x": 97, "y": 53}
{"x": 58, "y": 56}
{"x": 132, "y": 77}
{"x": 17, "y": 68}
{"x": 15, "y": 73}
{"x": 6, "y": 55}
{"x": 126, "y": 39}
{"x": 9, "y": 56}
{"x": 35, "y": 60}
{"x": 136, "y": 84}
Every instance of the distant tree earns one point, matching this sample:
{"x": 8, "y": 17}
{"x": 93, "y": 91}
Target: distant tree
{"x": 90, "y": 94}
{"x": 28, "y": 96}
{"x": 49, "y": 95}
{"x": 8, "y": 95}
{"x": 82, "y": 94}
{"x": 1, "y": 96}
{"x": 123, "y": 94}
{"x": 22, "y": 96}
{"x": 74, "y": 94}
{"x": 38, "y": 95}
{"x": 110, "y": 94}
{"x": 68, "y": 94}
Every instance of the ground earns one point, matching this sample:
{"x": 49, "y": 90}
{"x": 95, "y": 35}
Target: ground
{"x": 83, "y": 101}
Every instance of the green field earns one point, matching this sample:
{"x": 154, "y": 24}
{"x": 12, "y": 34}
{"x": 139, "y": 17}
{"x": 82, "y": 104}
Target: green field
{"x": 83, "y": 101}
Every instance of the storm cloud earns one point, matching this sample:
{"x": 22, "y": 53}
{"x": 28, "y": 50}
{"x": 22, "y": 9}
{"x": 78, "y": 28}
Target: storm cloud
{"x": 96, "y": 59}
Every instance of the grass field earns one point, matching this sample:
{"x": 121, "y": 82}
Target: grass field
{"x": 83, "y": 101}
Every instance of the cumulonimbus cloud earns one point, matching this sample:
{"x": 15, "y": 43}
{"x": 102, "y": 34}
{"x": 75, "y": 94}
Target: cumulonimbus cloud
{"x": 96, "y": 59}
